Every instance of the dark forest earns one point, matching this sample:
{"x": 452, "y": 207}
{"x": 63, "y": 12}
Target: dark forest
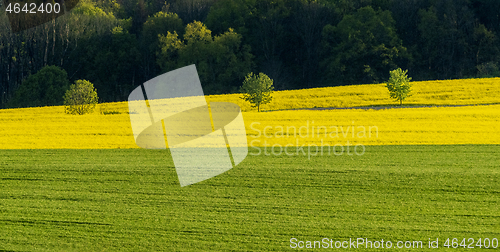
{"x": 119, "y": 44}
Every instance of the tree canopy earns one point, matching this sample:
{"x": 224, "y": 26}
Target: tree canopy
{"x": 45, "y": 88}
{"x": 362, "y": 48}
{"x": 257, "y": 89}
{"x": 81, "y": 98}
{"x": 399, "y": 85}
{"x": 119, "y": 44}
{"x": 221, "y": 60}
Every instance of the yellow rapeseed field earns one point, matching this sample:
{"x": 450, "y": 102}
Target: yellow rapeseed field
{"x": 451, "y": 92}
{"x": 437, "y": 125}
{"x": 109, "y": 125}
{"x": 51, "y": 128}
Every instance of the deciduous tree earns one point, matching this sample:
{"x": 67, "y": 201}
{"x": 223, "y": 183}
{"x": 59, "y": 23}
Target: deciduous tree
{"x": 257, "y": 89}
{"x": 81, "y": 98}
{"x": 45, "y": 88}
{"x": 399, "y": 85}
{"x": 221, "y": 61}
{"x": 362, "y": 48}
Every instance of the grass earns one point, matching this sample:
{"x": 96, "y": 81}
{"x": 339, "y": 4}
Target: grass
{"x": 130, "y": 200}
{"x": 408, "y": 186}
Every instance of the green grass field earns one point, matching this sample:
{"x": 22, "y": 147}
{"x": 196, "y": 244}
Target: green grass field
{"x": 107, "y": 200}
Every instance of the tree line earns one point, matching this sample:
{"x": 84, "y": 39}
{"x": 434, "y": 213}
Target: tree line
{"x": 119, "y": 44}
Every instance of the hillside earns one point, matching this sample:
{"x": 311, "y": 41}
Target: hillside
{"x": 450, "y": 92}
{"x": 109, "y": 126}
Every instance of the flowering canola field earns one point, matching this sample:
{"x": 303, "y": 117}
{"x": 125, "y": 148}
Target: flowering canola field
{"x": 109, "y": 126}
{"x": 443, "y": 92}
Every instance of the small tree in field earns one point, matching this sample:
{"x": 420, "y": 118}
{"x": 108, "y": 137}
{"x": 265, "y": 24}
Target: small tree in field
{"x": 257, "y": 89}
{"x": 81, "y": 98}
{"x": 399, "y": 85}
